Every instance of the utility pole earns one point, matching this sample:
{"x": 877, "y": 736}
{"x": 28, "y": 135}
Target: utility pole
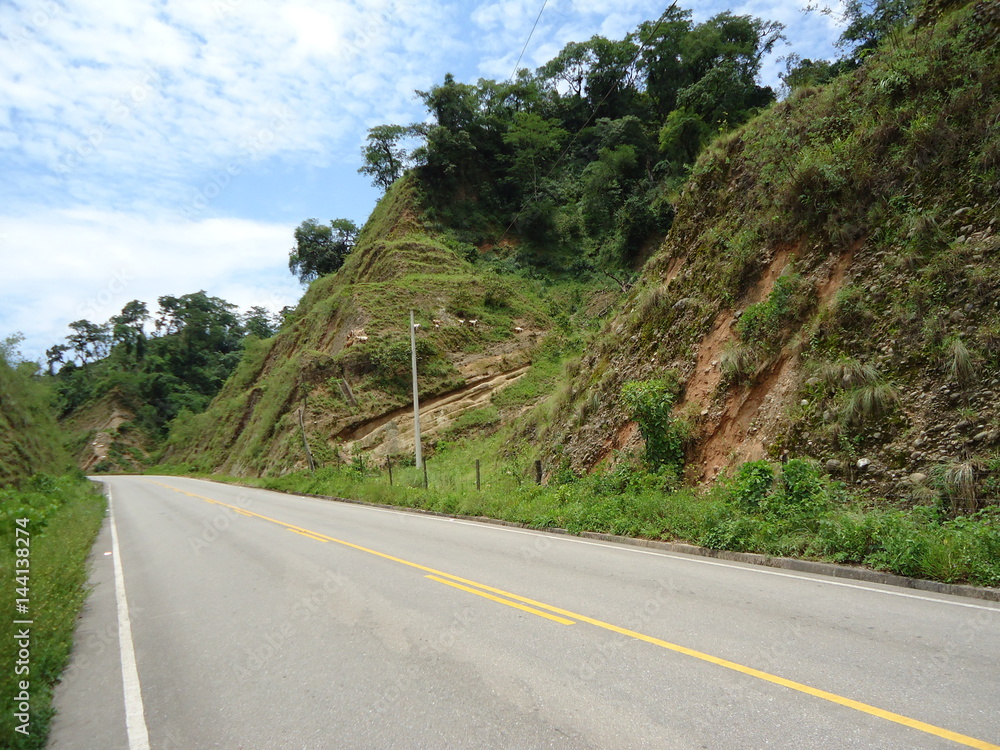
{"x": 416, "y": 402}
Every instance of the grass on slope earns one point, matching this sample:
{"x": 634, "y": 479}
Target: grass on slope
{"x": 29, "y": 439}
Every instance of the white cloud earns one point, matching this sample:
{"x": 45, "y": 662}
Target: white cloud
{"x": 147, "y": 93}
{"x": 95, "y": 261}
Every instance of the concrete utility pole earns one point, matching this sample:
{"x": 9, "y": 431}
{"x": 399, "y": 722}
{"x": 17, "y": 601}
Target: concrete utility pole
{"x": 416, "y": 401}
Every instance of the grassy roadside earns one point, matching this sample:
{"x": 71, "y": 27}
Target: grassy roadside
{"x": 64, "y": 515}
{"x": 791, "y": 510}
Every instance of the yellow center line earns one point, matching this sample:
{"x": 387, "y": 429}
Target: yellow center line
{"x": 725, "y": 663}
{"x": 483, "y": 594}
{"x": 309, "y": 535}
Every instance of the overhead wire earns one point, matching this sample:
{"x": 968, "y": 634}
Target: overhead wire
{"x": 530, "y": 34}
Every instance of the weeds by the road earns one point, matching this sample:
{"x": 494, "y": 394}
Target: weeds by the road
{"x": 782, "y": 510}
{"x": 64, "y": 515}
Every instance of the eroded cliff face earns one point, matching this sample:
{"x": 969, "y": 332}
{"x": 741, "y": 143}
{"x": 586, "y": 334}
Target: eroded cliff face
{"x": 831, "y": 285}
{"x": 340, "y": 373}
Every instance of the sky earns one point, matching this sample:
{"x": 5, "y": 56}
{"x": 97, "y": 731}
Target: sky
{"x": 162, "y": 147}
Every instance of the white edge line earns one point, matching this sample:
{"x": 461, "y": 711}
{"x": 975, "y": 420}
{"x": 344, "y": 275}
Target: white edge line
{"x": 734, "y": 564}
{"x": 135, "y": 719}
{"x": 731, "y": 564}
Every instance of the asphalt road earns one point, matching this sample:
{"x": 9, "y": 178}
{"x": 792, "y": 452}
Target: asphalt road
{"x": 261, "y": 620}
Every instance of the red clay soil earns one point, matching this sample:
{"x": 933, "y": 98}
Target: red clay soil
{"x": 737, "y": 433}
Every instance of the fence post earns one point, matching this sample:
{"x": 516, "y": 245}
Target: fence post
{"x": 425, "y": 473}
{"x": 477, "y": 474}
{"x": 388, "y": 463}
{"x": 538, "y": 472}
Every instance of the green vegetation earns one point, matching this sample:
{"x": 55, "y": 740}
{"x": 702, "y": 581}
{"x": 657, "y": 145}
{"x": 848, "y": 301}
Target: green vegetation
{"x": 583, "y": 153}
{"x": 520, "y": 199}
{"x": 196, "y": 343}
{"x": 59, "y": 516}
{"x": 64, "y": 515}
{"x": 29, "y": 439}
{"x": 763, "y": 325}
{"x": 343, "y": 356}
{"x": 321, "y": 249}
{"x": 650, "y": 403}
{"x": 790, "y": 510}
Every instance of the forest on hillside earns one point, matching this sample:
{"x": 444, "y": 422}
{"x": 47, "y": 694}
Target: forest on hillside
{"x": 579, "y": 163}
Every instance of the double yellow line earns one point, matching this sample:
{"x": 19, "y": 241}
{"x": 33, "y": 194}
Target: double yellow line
{"x": 566, "y": 617}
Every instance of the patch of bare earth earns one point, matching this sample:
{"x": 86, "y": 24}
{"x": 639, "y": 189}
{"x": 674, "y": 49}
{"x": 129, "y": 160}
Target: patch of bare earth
{"x": 627, "y": 435}
{"x": 723, "y": 431}
{"x": 738, "y": 434}
{"x": 751, "y": 414}
{"x": 393, "y": 432}
{"x": 106, "y": 433}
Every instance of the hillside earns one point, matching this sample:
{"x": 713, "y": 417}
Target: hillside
{"x": 829, "y": 288}
{"x": 340, "y": 372}
{"x": 29, "y": 440}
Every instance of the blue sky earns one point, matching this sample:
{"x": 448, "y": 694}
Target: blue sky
{"x": 154, "y": 147}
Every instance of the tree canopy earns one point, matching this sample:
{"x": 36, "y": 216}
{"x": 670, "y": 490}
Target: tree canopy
{"x": 321, "y": 249}
{"x": 195, "y": 343}
{"x": 582, "y": 153}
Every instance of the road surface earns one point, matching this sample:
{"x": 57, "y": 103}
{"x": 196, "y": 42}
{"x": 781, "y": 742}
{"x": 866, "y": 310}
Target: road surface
{"x": 225, "y": 617}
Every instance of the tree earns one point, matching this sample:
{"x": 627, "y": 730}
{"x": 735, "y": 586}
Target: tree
{"x": 611, "y": 81}
{"x": 385, "y": 159}
{"x": 681, "y": 137}
{"x": 321, "y": 249}
{"x": 801, "y": 72}
{"x": 55, "y": 354}
{"x": 660, "y": 60}
{"x": 570, "y": 67}
{"x": 723, "y": 57}
{"x": 868, "y": 23}
{"x": 127, "y": 328}
{"x": 89, "y": 340}
{"x": 167, "y": 321}
{"x": 10, "y": 351}
{"x": 534, "y": 142}
{"x": 259, "y": 322}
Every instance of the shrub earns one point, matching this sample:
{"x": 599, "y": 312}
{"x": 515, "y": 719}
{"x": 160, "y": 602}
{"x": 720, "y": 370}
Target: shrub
{"x": 871, "y": 401}
{"x": 801, "y": 491}
{"x": 739, "y": 360}
{"x": 650, "y": 403}
{"x": 848, "y": 373}
{"x": 753, "y": 481}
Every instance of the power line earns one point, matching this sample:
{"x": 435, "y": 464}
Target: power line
{"x": 530, "y": 33}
